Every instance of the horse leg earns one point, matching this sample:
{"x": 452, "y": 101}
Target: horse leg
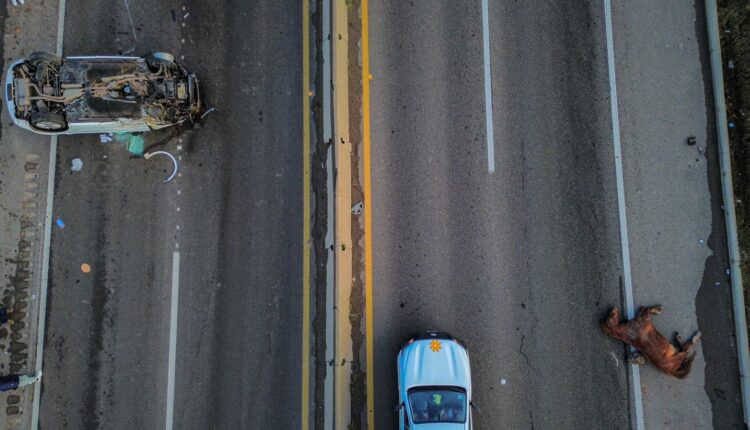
{"x": 691, "y": 343}
{"x": 678, "y": 341}
{"x": 645, "y": 312}
{"x": 653, "y": 310}
{"x": 611, "y": 323}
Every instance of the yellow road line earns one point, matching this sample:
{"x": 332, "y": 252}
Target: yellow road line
{"x": 369, "y": 332}
{"x": 306, "y": 215}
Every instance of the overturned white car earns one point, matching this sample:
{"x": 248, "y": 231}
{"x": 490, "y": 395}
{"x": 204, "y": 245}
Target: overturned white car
{"x": 48, "y": 94}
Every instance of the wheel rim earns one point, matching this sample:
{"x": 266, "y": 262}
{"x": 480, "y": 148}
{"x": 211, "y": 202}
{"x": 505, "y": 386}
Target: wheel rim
{"x": 48, "y": 125}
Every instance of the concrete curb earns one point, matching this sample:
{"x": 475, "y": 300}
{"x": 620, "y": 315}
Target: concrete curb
{"x": 738, "y": 300}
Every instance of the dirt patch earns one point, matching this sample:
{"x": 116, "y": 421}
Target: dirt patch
{"x": 357, "y": 299}
{"x": 734, "y": 28}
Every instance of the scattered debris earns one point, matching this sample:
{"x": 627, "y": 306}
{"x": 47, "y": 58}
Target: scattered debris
{"x": 691, "y": 140}
{"x": 85, "y": 268}
{"x": 730, "y": 64}
{"x": 16, "y": 2}
{"x": 358, "y": 208}
{"x": 186, "y": 15}
{"x": 701, "y": 150}
{"x": 614, "y": 357}
{"x": 503, "y": 381}
{"x": 105, "y": 137}
{"x": 133, "y": 142}
{"x": 207, "y": 112}
{"x": 174, "y": 161}
{"x": 76, "y": 164}
{"x": 701, "y": 241}
{"x": 60, "y": 223}
{"x": 731, "y": 124}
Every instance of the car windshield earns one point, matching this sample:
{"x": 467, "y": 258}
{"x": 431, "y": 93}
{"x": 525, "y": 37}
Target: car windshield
{"x": 438, "y": 404}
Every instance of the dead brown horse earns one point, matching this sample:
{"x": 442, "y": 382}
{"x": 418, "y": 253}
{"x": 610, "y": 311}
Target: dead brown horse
{"x": 651, "y": 345}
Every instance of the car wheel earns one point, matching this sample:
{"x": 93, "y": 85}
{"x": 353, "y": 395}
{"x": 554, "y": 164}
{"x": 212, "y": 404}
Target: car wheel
{"x": 47, "y": 121}
{"x": 44, "y": 57}
{"x": 158, "y": 59}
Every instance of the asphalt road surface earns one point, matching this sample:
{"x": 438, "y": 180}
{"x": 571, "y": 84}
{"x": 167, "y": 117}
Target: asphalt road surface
{"x": 522, "y": 263}
{"x": 234, "y": 214}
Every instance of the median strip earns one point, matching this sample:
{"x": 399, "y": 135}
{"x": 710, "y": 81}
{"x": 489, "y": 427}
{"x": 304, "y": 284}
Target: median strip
{"x": 342, "y": 153}
{"x": 306, "y": 214}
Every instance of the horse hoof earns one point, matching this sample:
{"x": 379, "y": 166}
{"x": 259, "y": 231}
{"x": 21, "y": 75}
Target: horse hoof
{"x": 636, "y": 359}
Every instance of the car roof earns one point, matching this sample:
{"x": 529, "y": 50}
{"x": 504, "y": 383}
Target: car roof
{"x": 424, "y": 366}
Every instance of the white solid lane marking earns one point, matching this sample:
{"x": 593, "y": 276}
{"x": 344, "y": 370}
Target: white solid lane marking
{"x": 47, "y": 238}
{"x": 624, "y": 243}
{"x": 488, "y": 87}
{"x": 173, "y": 338}
{"x": 44, "y": 281}
{"x": 132, "y": 26}
{"x": 60, "y": 27}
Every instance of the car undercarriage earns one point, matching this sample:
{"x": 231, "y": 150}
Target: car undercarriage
{"x": 52, "y": 93}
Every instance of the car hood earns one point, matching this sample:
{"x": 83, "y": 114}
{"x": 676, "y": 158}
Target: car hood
{"x": 420, "y": 366}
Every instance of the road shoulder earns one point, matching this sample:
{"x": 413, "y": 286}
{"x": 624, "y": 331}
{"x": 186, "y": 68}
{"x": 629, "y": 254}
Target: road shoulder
{"x": 24, "y": 162}
{"x": 673, "y": 200}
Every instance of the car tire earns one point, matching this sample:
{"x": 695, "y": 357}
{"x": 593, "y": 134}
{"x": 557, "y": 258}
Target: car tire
{"x": 37, "y": 57}
{"x": 158, "y": 59}
{"x": 48, "y": 121}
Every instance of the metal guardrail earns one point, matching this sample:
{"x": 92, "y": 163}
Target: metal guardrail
{"x": 738, "y": 300}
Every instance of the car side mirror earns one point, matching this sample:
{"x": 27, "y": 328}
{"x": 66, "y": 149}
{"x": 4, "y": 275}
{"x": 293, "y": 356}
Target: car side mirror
{"x": 474, "y": 406}
{"x": 399, "y": 407}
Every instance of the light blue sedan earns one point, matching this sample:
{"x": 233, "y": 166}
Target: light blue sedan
{"x": 434, "y": 384}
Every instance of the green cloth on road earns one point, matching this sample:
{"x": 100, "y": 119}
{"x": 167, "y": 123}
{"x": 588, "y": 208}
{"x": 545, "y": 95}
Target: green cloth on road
{"x": 134, "y": 144}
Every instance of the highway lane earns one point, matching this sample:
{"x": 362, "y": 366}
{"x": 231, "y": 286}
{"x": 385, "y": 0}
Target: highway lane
{"x": 234, "y": 214}
{"x": 521, "y": 263}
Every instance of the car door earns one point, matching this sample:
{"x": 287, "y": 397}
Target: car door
{"x": 121, "y": 125}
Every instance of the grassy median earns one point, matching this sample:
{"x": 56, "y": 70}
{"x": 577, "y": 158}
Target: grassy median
{"x": 734, "y": 26}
